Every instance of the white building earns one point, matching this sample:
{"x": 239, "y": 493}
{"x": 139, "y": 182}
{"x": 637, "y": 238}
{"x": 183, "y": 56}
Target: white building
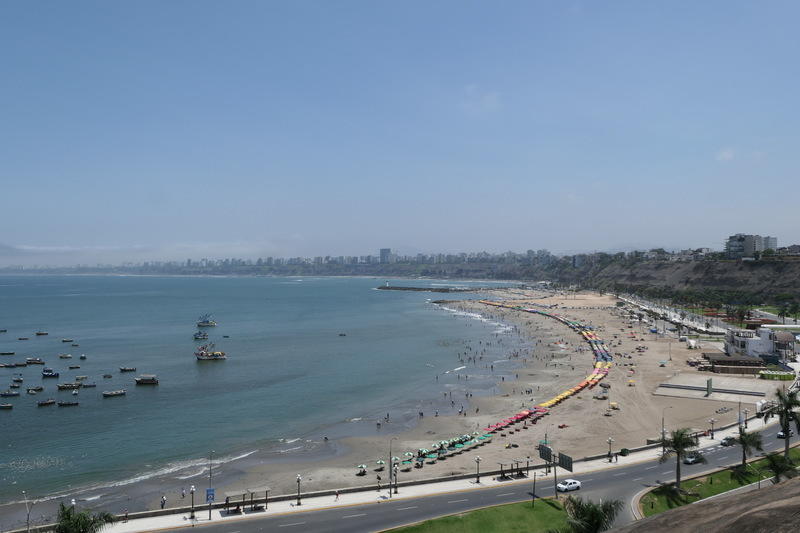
{"x": 771, "y": 345}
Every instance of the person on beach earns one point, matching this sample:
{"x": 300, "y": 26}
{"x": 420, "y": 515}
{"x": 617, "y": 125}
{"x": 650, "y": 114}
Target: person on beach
{"x": 163, "y": 501}
{"x": 337, "y": 496}
{"x": 125, "y": 515}
{"x": 183, "y": 492}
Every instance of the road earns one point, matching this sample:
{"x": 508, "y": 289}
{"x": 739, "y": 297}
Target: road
{"x": 621, "y": 483}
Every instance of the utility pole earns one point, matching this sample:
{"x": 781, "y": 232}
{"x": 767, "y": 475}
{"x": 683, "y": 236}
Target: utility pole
{"x": 210, "y": 458}
{"x": 533, "y": 494}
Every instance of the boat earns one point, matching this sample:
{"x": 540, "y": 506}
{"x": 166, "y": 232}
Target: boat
{"x": 7, "y": 353}
{"x": 67, "y": 404}
{"x": 200, "y": 335}
{"x": 67, "y": 340}
{"x": 83, "y": 356}
{"x": 68, "y": 386}
{"x": 34, "y": 361}
{"x": 75, "y": 344}
{"x": 17, "y": 379}
{"x": 37, "y": 388}
{"x": 31, "y": 391}
{"x": 207, "y": 353}
{"x": 22, "y": 338}
{"x": 65, "y": 356}
{"x": 9, "y": 394}
{"x": 112, "y": 393}
{"x": 74, "y": 367}
{"x": 205, "y": 322}
{"x": 43, "y": 403}
{"x": 107, "y": 376}
{"x": 147, "y": 379}
{"x": 343, "y": 334}
{"x": 49, "y": 373}
{"x": 75, "y": 392}
{"x": 3, "y": 330}
{"x": 21, "y": 363}
{"x": 127, "y": 369}
{"x": 89, "y": 385}
{"x": 6, "y": 405}
{"x": 41, "y": 333}
{"x": 226, "y": 336}
{"x": 80, "y": 378}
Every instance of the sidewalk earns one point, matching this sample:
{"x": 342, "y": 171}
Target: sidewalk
{"x": 288, "y": 507}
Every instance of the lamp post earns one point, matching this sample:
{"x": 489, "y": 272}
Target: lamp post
{"x": 298, "y": 489}
{"x": 391, "y": 464}
{"x": 396, "y": 466}
{"x": 478, "y": 469}
{"x": 528, "y": 466}
{"x": 663, "y": 429}
{"x": 28, "y": 511}
{"x": 610, "y": 441}
{"x": 72, "y": 502}
{"x": 191, "y": 491}
{"x": 746, "y": 412}
{"x": 712, "y": 421}
{"x": 210, "y": 502}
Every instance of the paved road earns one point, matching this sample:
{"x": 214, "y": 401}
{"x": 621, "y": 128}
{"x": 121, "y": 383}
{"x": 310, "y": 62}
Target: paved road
{"x": 622, "y": 483}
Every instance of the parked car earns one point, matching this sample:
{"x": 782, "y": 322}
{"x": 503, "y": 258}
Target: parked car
{"x": 782, "y": 435}
{"x": 692, "y": 458}
{"x": 728, "y": 441}
{"x": 568, "y": 485}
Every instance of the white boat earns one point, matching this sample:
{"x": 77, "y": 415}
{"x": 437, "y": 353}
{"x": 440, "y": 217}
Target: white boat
{"x": 147, "y": 379}
{"x": 200, "y": 336}
{"x": 205, "y": 322}
{"x": 207, "y": 353}
{"x": 112, "y": 393}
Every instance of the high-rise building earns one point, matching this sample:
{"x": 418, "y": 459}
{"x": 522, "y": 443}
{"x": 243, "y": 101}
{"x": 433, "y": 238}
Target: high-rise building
{"x": 386, "y": 255}
{"x": 770, "y": 243}
{"x": 742, "y": 245}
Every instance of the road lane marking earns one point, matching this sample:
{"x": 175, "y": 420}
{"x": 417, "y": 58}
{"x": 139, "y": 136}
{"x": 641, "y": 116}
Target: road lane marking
{"x": 637, "y": 479}
{"x": 354, "y": 515}
{"x": 458, "y": 501}
{"x": 620, "y": 474}
{"x": 651, "y": 467}
{"x": 506, "y": 494}
{"x": 406, "y": 508}
{"x": 292, "y": 524}
{"x": 590, "y": 479}
{"x": 668, "y": 472}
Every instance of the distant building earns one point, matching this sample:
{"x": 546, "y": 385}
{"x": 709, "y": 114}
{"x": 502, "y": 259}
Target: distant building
{"x": 744, "y": 245}
{"x": 386, "y": 255}
{"x": 770, "y": 243}
{"x": 771, "y": 345}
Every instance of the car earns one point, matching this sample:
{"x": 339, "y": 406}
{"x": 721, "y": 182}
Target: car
{"x": 782, "y": 435}
{"x": 568, "y": 485}
{"x": 692, "y": 458}
{"x": 728, "y": 441}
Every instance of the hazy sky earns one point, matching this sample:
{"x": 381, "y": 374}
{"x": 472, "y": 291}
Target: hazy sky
{"x": 147, "y": 130}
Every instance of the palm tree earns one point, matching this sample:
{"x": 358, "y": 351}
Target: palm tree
{"x": 779, "y": 466}
{"x": 748, "y": 442}
{"x": 72, "y": 521}
{"x": 679, "y": 444}
{"x": 794, "y": 310}
{"x": 589, "y": 517}
{"x": 784, "y": 409}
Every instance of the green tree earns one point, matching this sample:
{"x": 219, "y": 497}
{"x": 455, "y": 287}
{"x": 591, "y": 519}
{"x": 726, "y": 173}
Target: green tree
{"x": 679, "y": 444}
{"x": 794, "y": 310}
{"x": 72, "y": 521}
{"x": 784, "y": 408}
{"x": 783, "y": 312}
{"x": 780, "y": 466}
{"x": 589, "y": 517}
{"x": 748, "y": 442}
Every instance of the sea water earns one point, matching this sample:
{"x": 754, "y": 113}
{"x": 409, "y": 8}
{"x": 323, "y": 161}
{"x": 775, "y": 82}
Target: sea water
{"x": 288, "y": 374}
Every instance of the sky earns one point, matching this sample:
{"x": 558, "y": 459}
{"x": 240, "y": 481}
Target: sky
{"x": 185, "y": 129}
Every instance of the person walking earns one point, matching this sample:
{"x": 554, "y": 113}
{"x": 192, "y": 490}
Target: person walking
{"x": 183, "y": 493}
{"x": 337, "y": 496}
{"x": 163, "y": 501}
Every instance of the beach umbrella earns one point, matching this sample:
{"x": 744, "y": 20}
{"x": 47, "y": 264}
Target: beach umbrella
{"x": 380, "y": 462}
{"x": 459, "y": 445}
{"x": 409, "y": 454}
{"x": 395, "y": 459}
{"x": 432, "y": 456}
{"x": 406, "y": 462}
{"x": 423, "y": 451}
{"x": 362, "y": 466}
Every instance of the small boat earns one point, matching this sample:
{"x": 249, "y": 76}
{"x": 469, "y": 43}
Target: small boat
{"x": 207, "y": 353}
{"x": 112, "y": 393}
{"x": 14, "y": 385}
{"x": 68, "y": 386}
{"x": 7, "y": 353}
{"x": 6, "y": 405}
{"x": 75, "y": 345}
{"x": 67, "y": 340}
{"x": 80, "y": 378}
{"x": 89, "y": 385}
{"x": 31, "y": 391}
{"x": 226, "y": 336}
{"x": 3, "y": 330}
{"x": 65, "y": 356}
{"x": 74, "y": 367}
{"x": 67, "y": 404}
{"x": 75, "y": 392}
{"x": 34, "y": 361}
{"x": 83, "y": 356}
{"x": 49, "y": 373}
{"x": 147, "y": 379}
{"x": 205, "y": 322}
{"x": 41, "y": 333}
{"x": 37, "y": 388}
{"x": 127, "y": 369}
{"x": 21, "y": 364}
{"x": 17, "y": 379}
{"x": 9, "y": 394}
{"x": 107, "y": 376}
{"x": 22, "y": 338}
{"x": 343, "y": 334}
{"x": 200, "y": 336}
{"x": 43, "y": 403}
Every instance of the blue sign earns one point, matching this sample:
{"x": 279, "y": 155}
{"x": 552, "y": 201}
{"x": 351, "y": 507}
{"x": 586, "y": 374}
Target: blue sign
{"x": 209, "y": 495}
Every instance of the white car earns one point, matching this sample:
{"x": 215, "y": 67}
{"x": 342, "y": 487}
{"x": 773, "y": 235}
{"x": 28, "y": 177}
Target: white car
{"x": 568, "y": 485}
{"x": 782, "y": 435}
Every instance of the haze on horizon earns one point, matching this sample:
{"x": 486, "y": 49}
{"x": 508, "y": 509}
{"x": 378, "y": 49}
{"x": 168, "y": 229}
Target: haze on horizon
{"x": 188, "y": 129}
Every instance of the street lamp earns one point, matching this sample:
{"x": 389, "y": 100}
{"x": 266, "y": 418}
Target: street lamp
{"x": 396, "y": 466}
{"x": 28, "y": 510}
{"x": 746, "y": 412}
{"x": 478, "y": 471}
{"x": 210, "y": 501}
{"x": 298, "y": 489}
{"x": 528, "y": 466}
{"x": 712, "y": 421}
{"x": 663, "y": 429}
{"x": 610, "y": 441}
{"x": 73, "y": 503}
{"x": 391, "y": 463}
{"x": 191, "y": 491}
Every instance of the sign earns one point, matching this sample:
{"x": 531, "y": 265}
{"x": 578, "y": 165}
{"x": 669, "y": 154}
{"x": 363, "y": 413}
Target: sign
{"x": 708, "y": 387}
{"x": 565, "y": 462}
{"x": 546, "y": 453}
{"x": 209, "y": 495}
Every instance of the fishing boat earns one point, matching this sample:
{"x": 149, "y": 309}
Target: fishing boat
{"x": 200, "y": 336}
{"x": 67, "y": 404}
{"x": 41, "y": 333}
{"x": 22, "y": 338}
{"x": 147, "y": 379}
{"x": 34, "y": 361}
{"x": 127, "y": 369}
{"x": 75, "y": 392}
{"x": 207, "y": 353}
{"x": 205, "y": 322}
{"x": 49, "y": 373}
{"x": 3, "y": 330}
{"x": 83, "y": 356}
{"x": 7, "y": 353}
{"x": 31, "y": 391}
{"x": 112, "y": 393}
{"x": 107, "y": 376}
{"x": 68, "y": 386}
{"x": 14, "y": 385}
{"x": 67, "y": 340}
{"x": 21, "y": 363}
{"x": 6, "y": 405}
{"x": 74, "y": 367}
{"x": 65, "y": 356}
{"x": 43, "y": 403}
{"x": 17, "y": 379}
{"x": 80, "y": 378}
{"x": 89, "y": 385}
{"x": 9, "y": 394}
{"x": 75, "y": 345}
{"x": 37, "y": 388}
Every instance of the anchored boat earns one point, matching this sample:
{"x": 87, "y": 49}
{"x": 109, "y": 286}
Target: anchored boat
{"x": 112, "y": 393}
{"x": 205, "y": 322}
{"x": 147, "y": 379}
{"x": 207, "y": 353}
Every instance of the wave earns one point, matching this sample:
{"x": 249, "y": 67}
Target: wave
{"x": 501, "y": 328}
{"x": 288, "y": 441}
{"x": 291, "y": 449}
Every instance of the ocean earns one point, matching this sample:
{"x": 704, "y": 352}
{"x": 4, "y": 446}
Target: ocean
{"x": 290, "y": 377}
